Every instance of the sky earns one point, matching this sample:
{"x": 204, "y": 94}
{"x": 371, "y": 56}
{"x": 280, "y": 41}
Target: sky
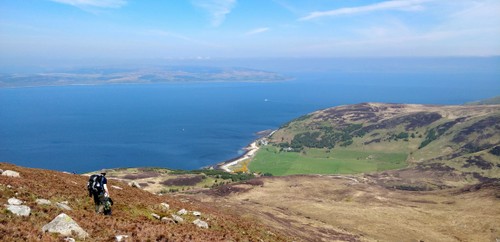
{"x": 40, "y": 30}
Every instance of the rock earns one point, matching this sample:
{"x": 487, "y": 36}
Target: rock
{"x": 177, "y": 219}
{"x": 69, "y": 239}
{"x": 121, "y": 238}
{"x": 167, "y": 220}
{"x": 134, "y": 184}
{"x": 10, "y": 173}
{"x": 19, "y": 210}
{"x": 1, "y": 171}
{"x": 65, "y": 225}
{"x": 63, "y": 206}
{"x": 43, "y": 202}
{"x": 201, "y": 223}
{"x": 182, "y": 212}
{"x": 165, "y": 206}
{"x": 65, "y": 202}
{"x": 9, "y": 186}
{"x": 118, "y": 188}
{"x": 196, "y": 213}
{"x": 14, "y": 201}
{"x": 156, "y": 216}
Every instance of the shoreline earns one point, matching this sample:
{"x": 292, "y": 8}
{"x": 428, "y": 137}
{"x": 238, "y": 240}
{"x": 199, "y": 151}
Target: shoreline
{"x": 249, "y": 153}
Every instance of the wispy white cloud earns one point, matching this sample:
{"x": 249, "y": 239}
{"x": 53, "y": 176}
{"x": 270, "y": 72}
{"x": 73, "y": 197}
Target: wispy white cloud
{"x": 257, "y": 31}
{"x": 397, "y": 5}
{"x": 218, "y": 9}
{"x": 94, "y": 3}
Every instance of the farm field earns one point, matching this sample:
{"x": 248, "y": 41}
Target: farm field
{"x": 321, "y": 161}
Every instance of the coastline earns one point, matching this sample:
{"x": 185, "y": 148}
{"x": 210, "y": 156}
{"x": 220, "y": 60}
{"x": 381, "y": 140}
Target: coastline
{"x": 250, "y": 151}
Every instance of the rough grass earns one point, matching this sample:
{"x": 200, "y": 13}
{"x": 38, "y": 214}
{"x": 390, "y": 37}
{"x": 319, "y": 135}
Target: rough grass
{"x": 131, "y": 212}
{"x": 318, "y": 161}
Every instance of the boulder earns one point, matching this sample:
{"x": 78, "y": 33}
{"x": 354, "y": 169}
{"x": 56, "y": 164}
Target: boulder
{"x": 66, "y": 226}
{"x": 201, "y": 223}
{"x": 19, "y": 210}
{"x": 182, "y": 212}
{"x": 1, "y": 171}
{"x": 43, "y": 202}
{"x": 119, "y": 238}
{"x": 10, "y": 173}
{"x": 156, "y": 216}
{"x": 14, "y": 201}
{"x": 177, "y": 219}
{"x": 134, "y": 184}
{"x": 196, "y": 213}
{"x": 165, "y": 206}
{"x": 63, "y": 206}
{"x": 69, "y": 239}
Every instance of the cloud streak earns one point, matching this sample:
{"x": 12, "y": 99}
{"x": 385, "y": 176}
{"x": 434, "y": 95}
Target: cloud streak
{"x": 93, "y": 3}
{"x": 398, "y": 5}
{"x": 257, "y": 31}
{"x": 217, "y": 9}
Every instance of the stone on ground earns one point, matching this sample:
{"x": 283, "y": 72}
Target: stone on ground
{"x": 201, "y": 223}
{"x": 10, "y": 173}
{"x": 66, "y": 226}
{"x": 19, "y": 210}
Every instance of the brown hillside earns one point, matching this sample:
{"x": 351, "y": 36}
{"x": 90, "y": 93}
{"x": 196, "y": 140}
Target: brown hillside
{"x": 131, "y": 212}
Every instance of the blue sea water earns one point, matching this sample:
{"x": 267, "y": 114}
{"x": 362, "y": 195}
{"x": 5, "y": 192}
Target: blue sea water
{"x": 191, "y": 125}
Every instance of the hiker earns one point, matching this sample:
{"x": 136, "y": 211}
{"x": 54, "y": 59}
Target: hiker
{"x": 98, "y": 188}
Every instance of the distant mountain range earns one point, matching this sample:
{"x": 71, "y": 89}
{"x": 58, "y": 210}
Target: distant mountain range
{"x": 101, "y": 76}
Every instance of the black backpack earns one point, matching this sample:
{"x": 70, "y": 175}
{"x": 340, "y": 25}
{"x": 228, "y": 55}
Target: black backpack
{"x": 94, "y": 185}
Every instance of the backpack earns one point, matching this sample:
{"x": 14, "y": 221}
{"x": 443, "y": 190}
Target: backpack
{"x": 94, "y": 185}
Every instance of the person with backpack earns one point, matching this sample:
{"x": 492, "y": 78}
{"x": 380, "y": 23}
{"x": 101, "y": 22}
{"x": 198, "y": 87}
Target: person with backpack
{"x": 98, "y": 188}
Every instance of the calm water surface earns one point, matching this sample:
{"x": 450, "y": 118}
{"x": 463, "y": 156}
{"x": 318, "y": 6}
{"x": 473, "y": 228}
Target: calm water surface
{"x": 188, "y": 126}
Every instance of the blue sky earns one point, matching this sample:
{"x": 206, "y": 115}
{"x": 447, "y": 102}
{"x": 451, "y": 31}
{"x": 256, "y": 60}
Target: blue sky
{"x": 36, "y": 30}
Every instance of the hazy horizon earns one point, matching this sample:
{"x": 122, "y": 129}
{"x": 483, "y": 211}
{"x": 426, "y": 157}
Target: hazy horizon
{"x": 58, "y": 33}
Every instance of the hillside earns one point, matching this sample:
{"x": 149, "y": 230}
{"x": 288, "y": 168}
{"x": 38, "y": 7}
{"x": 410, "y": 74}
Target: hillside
{"x": 489, "y": 101}
{"x": 132, "y": 212}
{"x": 461, "y": 143}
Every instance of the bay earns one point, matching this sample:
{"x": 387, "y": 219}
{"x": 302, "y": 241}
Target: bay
{"x": 192, "y": 125}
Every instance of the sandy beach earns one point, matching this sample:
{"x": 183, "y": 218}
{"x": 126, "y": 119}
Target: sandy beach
{"x": 251, "y": 150}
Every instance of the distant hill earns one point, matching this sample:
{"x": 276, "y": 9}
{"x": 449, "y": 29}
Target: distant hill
{"x": 489, "y": 101}
{"x": 101, "y": 76}
{"x": 447, "y": 145}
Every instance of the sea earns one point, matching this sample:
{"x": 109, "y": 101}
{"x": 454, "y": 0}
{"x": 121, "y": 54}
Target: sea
{"x": 194, "y": 125}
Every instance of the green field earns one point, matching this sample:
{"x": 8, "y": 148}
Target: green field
{"x": 320, "y": 161}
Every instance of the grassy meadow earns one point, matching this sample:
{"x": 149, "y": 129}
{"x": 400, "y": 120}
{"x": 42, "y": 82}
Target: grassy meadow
{"x": 322, "y": 161}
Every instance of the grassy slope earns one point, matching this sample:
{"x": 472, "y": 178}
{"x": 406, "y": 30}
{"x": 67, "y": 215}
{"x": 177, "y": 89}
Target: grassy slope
{"x": 131, "y": 212}
{"x": 389, "y": 120}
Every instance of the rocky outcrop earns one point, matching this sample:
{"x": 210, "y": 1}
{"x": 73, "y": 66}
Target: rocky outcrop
{"x": 196, "y": 213}
{"x": 65, "y": 225}
{"x": 10, "y": 173}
